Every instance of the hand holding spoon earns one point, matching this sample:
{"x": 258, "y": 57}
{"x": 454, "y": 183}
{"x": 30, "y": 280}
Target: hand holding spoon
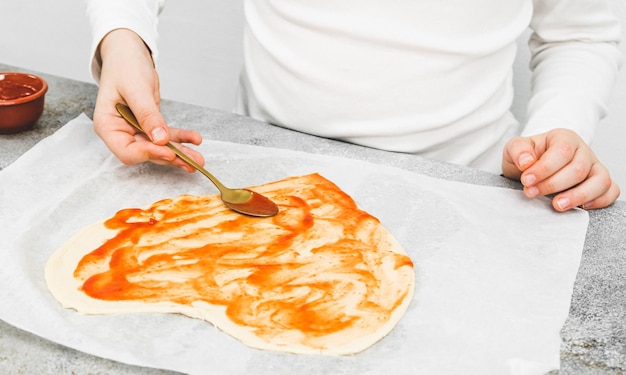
{"x": 240, "y": 200}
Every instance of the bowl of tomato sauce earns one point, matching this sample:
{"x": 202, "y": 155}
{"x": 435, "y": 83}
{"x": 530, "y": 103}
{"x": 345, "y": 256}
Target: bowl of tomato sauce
{"x": 21, "y": 101}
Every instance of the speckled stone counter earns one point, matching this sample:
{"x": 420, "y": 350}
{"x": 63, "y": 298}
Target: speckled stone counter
{"x": 594, "y": 335}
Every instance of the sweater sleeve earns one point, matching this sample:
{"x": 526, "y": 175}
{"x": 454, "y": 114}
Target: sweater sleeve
{"x": 574, "y": 62}
{"x": 140, "y": 16}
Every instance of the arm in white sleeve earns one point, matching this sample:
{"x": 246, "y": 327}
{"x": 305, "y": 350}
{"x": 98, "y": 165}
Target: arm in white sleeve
{"x": 574, "y": 62}
{"x": 140, "y": 16}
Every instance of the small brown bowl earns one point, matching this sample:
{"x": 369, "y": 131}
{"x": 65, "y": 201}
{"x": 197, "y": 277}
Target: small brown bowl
{"x": 21, "y": 101}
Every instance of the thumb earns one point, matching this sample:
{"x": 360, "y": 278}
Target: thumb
{"x": 152, "y": 122}
{"x": 519, "y": 154}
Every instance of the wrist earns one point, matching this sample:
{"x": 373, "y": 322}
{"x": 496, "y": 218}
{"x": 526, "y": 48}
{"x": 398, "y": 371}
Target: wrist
{"x": 123, "y": 42}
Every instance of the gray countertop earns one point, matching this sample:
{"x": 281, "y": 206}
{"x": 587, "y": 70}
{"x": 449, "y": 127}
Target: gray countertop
{"x": 594, "y": 335}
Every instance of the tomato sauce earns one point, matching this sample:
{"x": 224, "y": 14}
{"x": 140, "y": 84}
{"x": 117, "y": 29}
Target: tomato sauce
{"x": 12, "y": 91}
{"x": 319, "y": 266}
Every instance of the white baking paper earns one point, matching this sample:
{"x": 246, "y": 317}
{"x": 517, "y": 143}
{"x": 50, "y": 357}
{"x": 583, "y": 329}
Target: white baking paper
{"x": 495, "y": 270}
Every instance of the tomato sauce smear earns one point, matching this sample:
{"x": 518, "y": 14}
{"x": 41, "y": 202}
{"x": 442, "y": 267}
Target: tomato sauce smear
{"x": 320, "y": 266}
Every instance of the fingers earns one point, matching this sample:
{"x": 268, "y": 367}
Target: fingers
{"x": 560, "y": 162}
{"x": 560, "y": 167}
{"x": 598, "y": 190}
{"x": 147, "y": 151}
{"x": 132, "y": 147}
{"x": 603, "y": 200}
{"x": 519, "y": 155}
{"x": 193, "y": 154}
{"x": 176, "y": 161}
{"x": 185, "y": 136}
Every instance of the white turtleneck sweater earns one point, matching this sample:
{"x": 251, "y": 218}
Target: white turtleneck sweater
{"x": 417, "y": 76}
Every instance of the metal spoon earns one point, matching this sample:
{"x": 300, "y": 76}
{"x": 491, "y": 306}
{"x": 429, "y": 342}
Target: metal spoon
{"x": 240, "y": 200}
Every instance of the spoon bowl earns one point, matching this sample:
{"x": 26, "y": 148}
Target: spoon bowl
{"x": 240, "y": 200}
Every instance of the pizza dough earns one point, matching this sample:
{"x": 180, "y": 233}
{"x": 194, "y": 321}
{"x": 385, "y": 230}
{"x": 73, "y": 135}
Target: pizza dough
{"x": 322, "y": 276}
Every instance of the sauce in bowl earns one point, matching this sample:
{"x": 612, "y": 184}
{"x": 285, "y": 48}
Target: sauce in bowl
{"x": 12, "y": 91}
{"x": 19, "y": 86}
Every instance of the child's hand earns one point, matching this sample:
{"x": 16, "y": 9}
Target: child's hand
{"x": 559, "y": 161}
{"x": 128, "y": 76}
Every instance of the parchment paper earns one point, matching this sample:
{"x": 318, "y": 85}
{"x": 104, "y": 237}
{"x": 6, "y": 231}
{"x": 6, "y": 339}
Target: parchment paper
{"x": 495, "y": 270}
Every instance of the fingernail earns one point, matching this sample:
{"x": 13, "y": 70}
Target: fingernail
{"x": 532, "y": 192}
{"x": 530, "y": 180}
{"x": 525, "y": 159}
{"x": 158, "y": 134}
{"x": 563, "y": 203}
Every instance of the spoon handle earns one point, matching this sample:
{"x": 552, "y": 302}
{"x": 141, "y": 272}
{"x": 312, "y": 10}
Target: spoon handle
{"x": 197, "y": 166}
{"x": 128, "y": 115}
